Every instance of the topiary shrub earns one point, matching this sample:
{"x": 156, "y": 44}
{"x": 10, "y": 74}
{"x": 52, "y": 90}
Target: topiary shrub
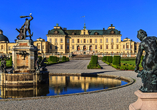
{"x": 64, "y": 58}
{"x": 117, "y": 60}
{"x": 67, "y": 59}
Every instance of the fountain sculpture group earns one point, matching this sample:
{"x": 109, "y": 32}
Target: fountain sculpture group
{"x": 27, "y": 70}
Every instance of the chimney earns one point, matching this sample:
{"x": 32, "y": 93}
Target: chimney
{"x": 103, "y": 28}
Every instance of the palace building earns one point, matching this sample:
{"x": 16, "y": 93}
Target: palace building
{"x": 60, "y": 40}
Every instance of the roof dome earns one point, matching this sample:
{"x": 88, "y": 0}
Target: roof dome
{"x": 3, "y": 37}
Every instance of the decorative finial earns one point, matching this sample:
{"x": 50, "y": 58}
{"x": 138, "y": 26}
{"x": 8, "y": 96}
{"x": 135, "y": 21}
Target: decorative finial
{"x": 84, "y": 26}
{"x": 57, "y": 24}
{"x": 111, "y": 25}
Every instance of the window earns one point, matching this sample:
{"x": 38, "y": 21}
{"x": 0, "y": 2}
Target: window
{"x": 111, "y": 40}
{"x": 72, "y": 40}
{"x": 117, "y": 40}
{"x": 90, "y": 40}
{"x": 50, "y": 46}
{"x": 95, "y": 46}
{"x": 106, "y": 40}
{"x": 9, "y": 47}
{"x": 67, "y": 46}
{"x": 84, "y": 40}
{"x": 100, "y": 46}
{"x": 117, "y": 46}
{"x": 42, "y": 46}
{"x": 127, "y": 46}
{"x": 72, "y": 46}
{"x": 55, "y": 40}
{"x": 61, "y": 46}
{"x": 61, "y": 40}
{"x": 123, "y": 46}
{"x": 95, "y": 40}
{"x": 50, "y": 40}
{"x": 111, "y": 46}
{"x": 55, "y": 47}
{"x": 1, "y": 46}
{"x": 78, "y": 41}
{"x": 100, "y": 40}
{"x": 106, "y": 46}
{"x": 67, "y": 40}
{"x": 81, "y": 41}
{"x": 131, "y": 46}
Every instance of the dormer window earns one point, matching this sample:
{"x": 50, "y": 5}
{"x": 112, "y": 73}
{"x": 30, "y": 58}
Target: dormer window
{"x": 73, "y": 33}
{"x": 56, "y": 32}
{"x": 95, "y": 33}
{"x": 112, "y": 32}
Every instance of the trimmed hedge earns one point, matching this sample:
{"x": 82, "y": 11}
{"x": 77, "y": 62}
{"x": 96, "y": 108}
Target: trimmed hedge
{"x": 67, "y": 59}
{"x": 104, "y": 58}
{"x": 64, "y": 58}
{"x": 53, "y": 59}
{"x": 94, "y": 60}
{"x": 117, "y": 60}
{"x": 93, "y": 63}
{"x": 109, "y": 59}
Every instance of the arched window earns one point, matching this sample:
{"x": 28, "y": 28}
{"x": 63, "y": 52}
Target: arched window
{"x": 111, "y": 40}
{"x": 61, "y": 40}
{"x": 107, "y": 40}
{"x": 117, "y": 41}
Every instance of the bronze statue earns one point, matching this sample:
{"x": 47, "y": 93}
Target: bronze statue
{"x": 40, "y": 65}
{"x": 149, "y": 63}
{"x": 21, "y": 35}
{"x": 25, "y": 27}
{"x": 3, "y": 65}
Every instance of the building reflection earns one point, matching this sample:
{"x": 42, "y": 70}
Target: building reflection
{"x": 60, "y": 83}
{"x": 21, "y": 92}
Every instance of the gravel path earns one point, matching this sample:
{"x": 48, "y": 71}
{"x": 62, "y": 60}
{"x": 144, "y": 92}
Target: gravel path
{"x": 117, "y": 99}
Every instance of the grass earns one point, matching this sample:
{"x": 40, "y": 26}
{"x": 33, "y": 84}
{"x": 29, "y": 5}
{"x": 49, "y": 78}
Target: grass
{"x": 131, "y": 62}
{"x": 7, "y": 63}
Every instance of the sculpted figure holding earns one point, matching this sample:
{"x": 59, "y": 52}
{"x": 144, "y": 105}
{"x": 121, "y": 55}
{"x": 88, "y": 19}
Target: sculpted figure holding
{"x": 25, "y": 27}
{"x": 149, "y": 63}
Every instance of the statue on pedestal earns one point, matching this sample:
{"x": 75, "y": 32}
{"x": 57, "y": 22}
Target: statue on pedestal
{"x": 25, "y": 27}
{"x": 149, "y": 63}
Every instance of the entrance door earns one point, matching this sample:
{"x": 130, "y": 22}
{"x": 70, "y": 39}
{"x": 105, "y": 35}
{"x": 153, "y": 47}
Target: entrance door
{"x": 84, "y": 47}
{"x": 90, "y": 48}
{"x": 78, "y": 47}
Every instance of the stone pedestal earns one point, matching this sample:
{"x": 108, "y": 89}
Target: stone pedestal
{"x": 146, "y": 101}
{"x": 24, "y": 55}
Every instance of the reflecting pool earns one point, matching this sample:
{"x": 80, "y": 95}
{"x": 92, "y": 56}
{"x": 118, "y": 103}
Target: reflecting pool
{"x": 59, "y": 85}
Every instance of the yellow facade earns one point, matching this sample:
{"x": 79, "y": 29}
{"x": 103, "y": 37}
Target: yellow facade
{"x": 80, "y": 42}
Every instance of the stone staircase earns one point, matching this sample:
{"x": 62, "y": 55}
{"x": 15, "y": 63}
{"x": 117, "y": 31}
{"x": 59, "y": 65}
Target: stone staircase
{"x": 81, "y": 57}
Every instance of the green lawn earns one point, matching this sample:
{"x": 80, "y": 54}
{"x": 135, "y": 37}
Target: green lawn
{"x": 131, "y": 62}
{"x": 7, "y": 63}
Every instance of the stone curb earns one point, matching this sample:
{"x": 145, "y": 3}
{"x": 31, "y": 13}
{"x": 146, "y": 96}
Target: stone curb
{"x": 129, "y": 80}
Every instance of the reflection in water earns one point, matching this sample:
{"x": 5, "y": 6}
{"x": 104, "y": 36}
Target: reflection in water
{"x": 61, "y": 85}
{"x": 20, "y": 92}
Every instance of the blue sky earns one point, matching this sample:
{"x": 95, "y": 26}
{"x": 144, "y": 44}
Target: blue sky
{"x": 128, "y": 16}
